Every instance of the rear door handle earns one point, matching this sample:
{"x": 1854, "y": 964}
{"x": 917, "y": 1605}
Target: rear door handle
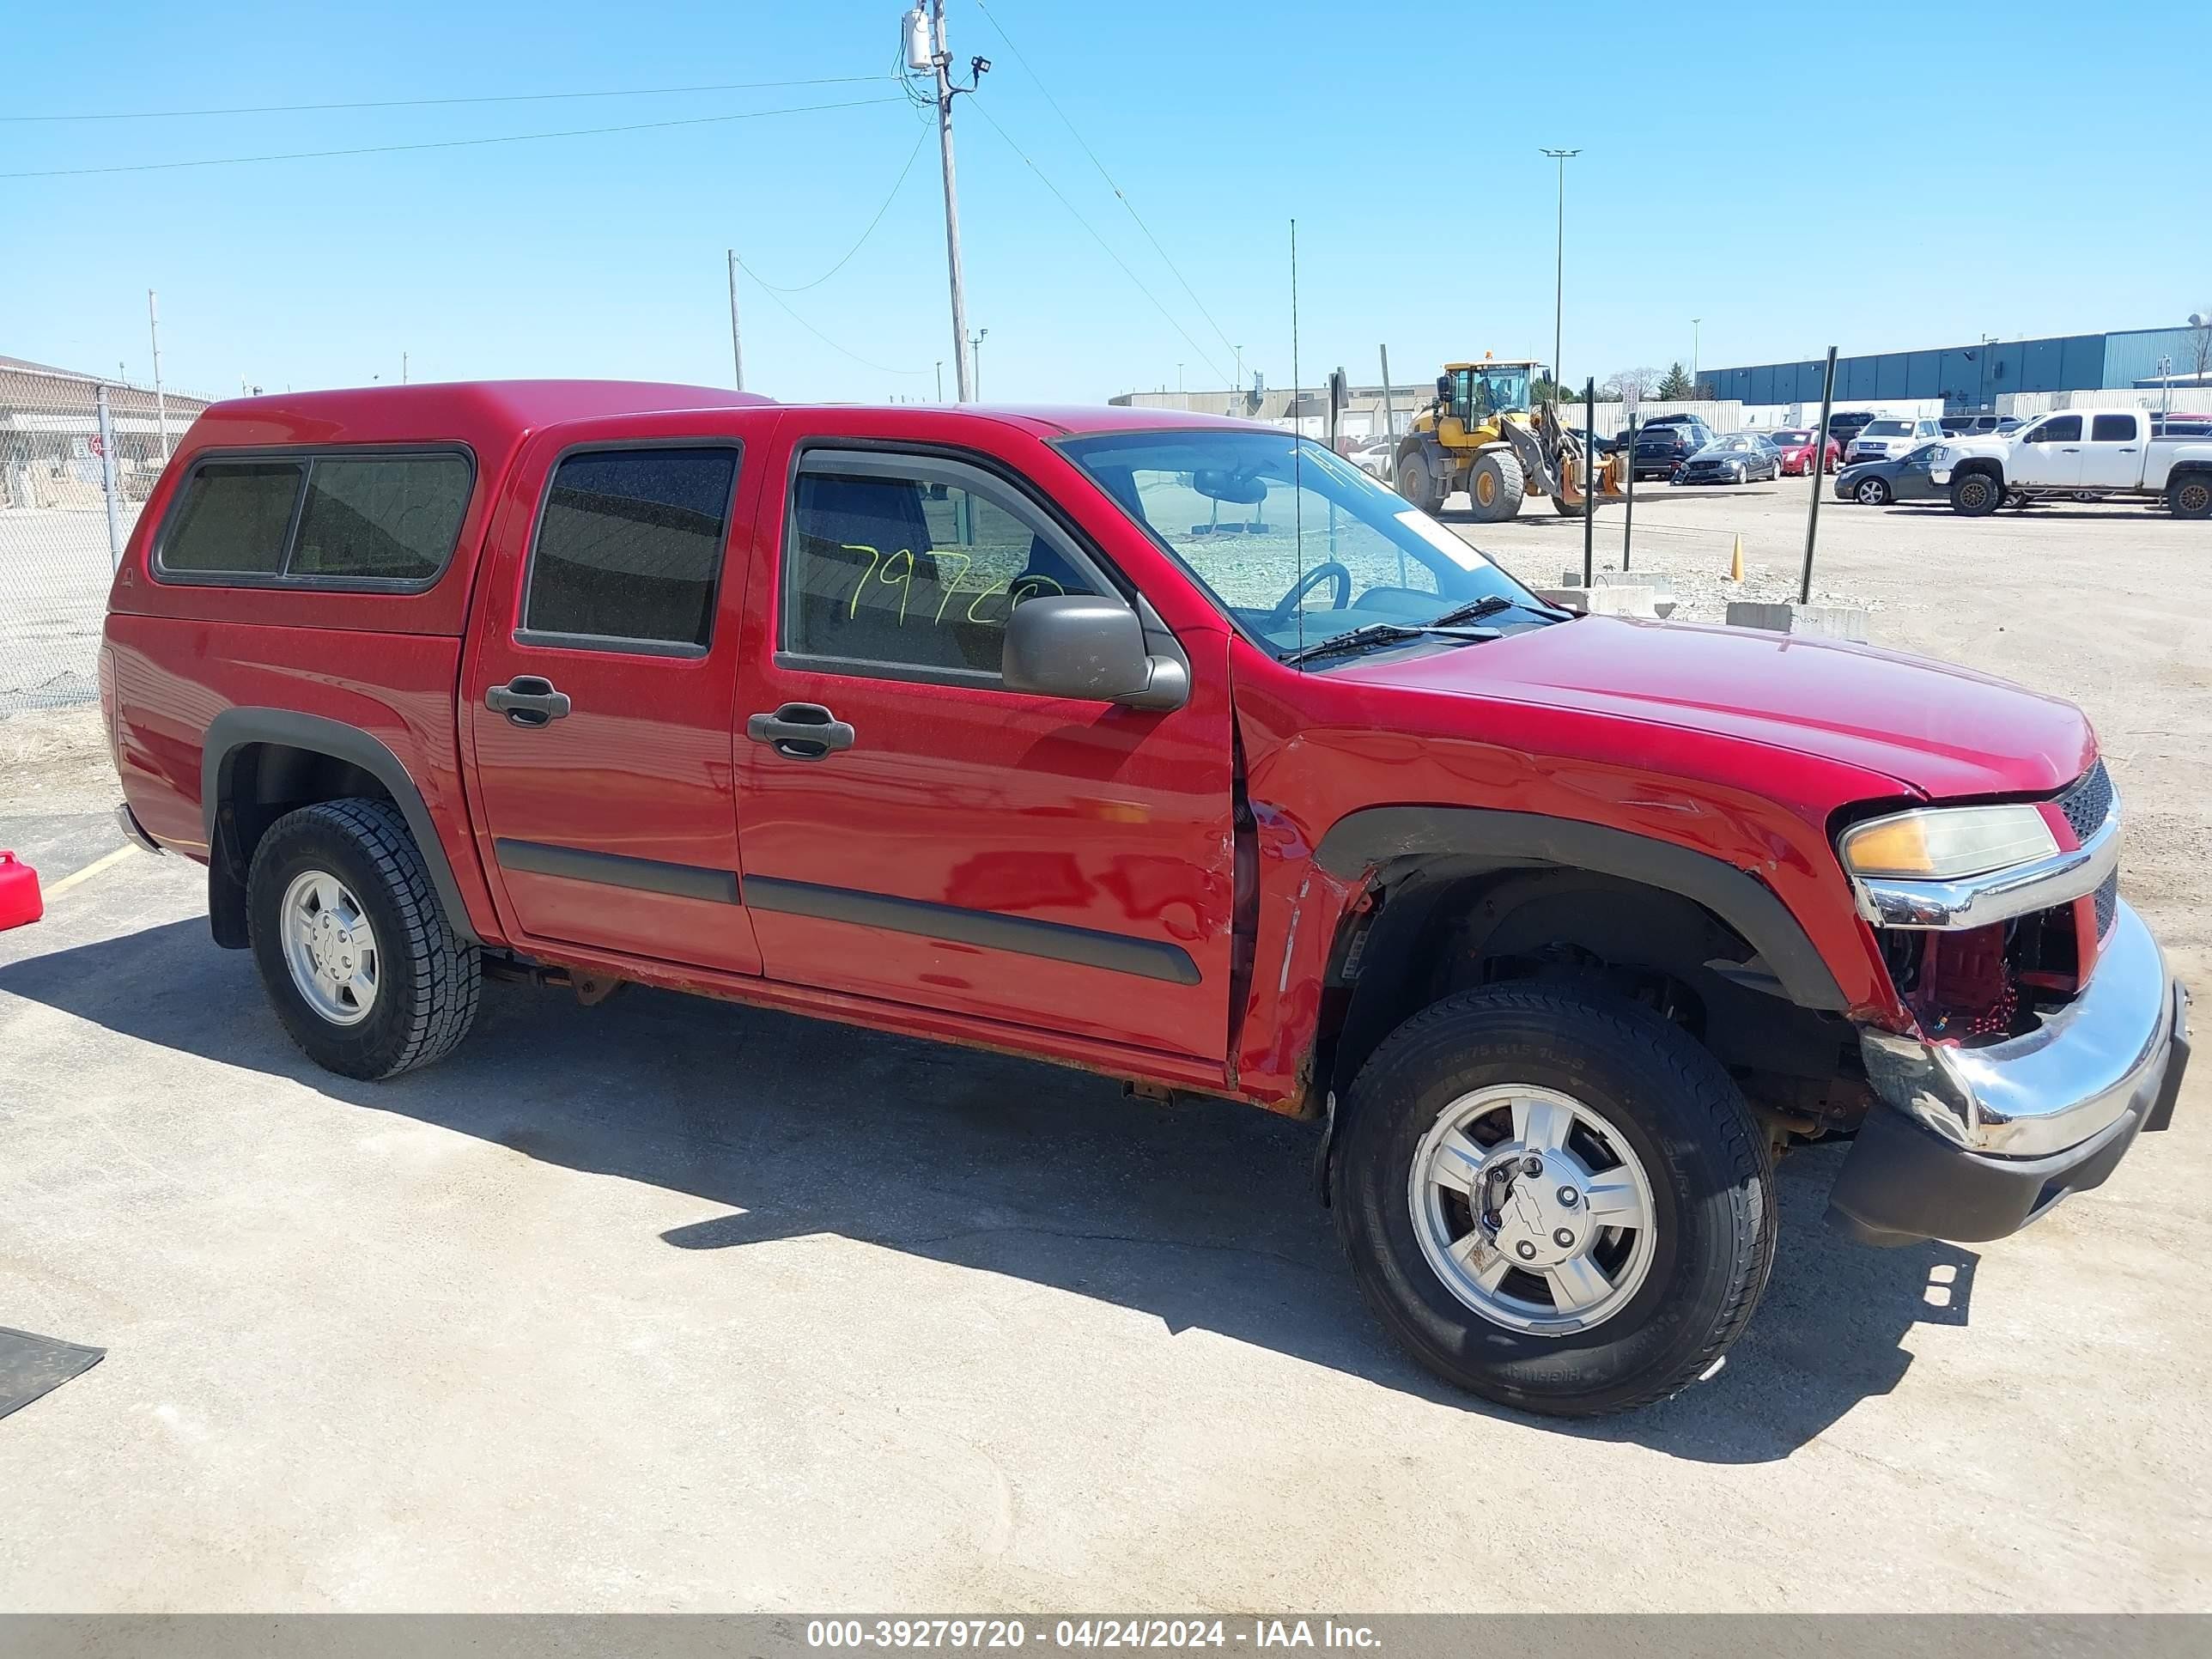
{"x": 528, "y": 700}
{"x": 800, "y": 730}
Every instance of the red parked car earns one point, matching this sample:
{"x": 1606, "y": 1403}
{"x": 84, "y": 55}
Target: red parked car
{"x": 1169, "y": 748}
{"x": 1796, "y": 446}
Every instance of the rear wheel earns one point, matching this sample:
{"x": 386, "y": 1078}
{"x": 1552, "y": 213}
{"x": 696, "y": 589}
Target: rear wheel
{"x": 1872, "y": 492}
{"x": 1495, "y": 487}
{"x": 1416, "y": 483}
{"x": 1559, "y": 1201}
{"x": 2190, "y": 496}
{"x": 1976, "y": 495}
{"x": 353, "y": 949}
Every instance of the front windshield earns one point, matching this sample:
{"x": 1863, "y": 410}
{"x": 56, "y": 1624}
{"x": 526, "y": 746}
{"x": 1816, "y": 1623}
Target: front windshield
{"x": 1789, "y": 436}
{"x": 1497, "y": 389}
{"x": 1295, "y": 545}
{"x": 1886, "y": 429}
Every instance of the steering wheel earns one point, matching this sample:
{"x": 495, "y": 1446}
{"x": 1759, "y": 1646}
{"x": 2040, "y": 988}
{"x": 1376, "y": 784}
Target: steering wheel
{"x": 1330, "y": 571}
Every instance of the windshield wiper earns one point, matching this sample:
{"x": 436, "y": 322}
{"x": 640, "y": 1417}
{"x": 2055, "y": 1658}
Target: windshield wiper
{"x": 1490, "y": 604}
{"x": 1381, "y": 633}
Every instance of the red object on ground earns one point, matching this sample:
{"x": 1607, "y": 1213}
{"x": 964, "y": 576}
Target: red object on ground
{"x": 19, "y": 893}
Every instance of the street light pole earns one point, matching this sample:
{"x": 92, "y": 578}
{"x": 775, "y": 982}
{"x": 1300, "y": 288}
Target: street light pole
{"x": 1559, "y": 262}
{"x": 1694, "y": 321}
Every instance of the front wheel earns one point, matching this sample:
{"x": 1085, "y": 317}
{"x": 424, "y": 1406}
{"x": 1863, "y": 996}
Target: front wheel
{"x": 2190, "y": 496}
{"x": 1416, "y": 484}
{"x": 353, "y": 949}
{"x": 1872, "y": 492}
{"x": 1976, "y": 495}
{"x": 1495, "y": 488}
{"x": 1557, "y": 1201}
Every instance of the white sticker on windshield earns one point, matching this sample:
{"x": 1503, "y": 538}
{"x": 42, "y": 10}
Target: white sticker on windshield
{"x": 1443, "y": 540}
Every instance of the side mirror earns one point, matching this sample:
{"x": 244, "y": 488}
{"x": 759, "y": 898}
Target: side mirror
{"x": 1074, "y": 645}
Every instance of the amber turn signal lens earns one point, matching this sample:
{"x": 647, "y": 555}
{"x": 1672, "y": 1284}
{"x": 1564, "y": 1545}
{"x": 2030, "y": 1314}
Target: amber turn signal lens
{"x": 1945, "y": 843}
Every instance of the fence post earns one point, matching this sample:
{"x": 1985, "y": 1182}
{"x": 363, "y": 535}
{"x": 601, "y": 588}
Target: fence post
{"x": 1590, "y": 481}
{"x": 1628, "y": 517}
{"x": 108, "y": 488}
{"x": 1819, "y": 457}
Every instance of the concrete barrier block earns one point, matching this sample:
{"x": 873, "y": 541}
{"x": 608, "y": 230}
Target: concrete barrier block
{"x": 1750, "y": 613}
{"x": 1606, "y": 599}
{"x": 1833, "y": 622}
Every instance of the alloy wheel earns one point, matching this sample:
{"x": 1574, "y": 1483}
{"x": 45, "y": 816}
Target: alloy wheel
{"x": 331, "y": 948}
{"x": 1532, "y": 1210}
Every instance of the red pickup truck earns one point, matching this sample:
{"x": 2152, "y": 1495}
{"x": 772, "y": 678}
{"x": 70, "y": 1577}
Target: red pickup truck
{"x": 1174, "y": 749}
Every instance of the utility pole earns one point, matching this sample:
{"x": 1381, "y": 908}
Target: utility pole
{"x": 161, "y": 403}
{"x": 403, "y": 368}
{"x": 1694, "y": 321}
{"x": 973, "y": 384}
{"x": 1389, "y": 401}
{"x": 940, "y": 380}
{"x": 926, "y": 50}
{"x": 737, "y": 341}
{"x": 1559, "y": 262}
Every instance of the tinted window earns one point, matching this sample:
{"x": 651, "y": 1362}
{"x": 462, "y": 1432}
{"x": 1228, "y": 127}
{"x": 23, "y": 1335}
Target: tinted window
{"x": 2112, "y": 429}
{"x": 234, "y": 517}
{"x": 2059, "y": 429}
{"x": 391, "y": 517}
{"x": 913, "y": 574}
{"x": 631, "y": 546}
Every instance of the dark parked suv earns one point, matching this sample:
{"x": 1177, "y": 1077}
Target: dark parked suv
{"x": 1667, "y": 442}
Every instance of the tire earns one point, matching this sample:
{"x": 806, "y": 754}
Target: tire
{"x": 1976, "y": 495}
{"x": 1871, "y": 492}
{"x": 353, "y": 862}
{"x": 2190, "y": 496}
{"x": 1416, "y": 484}
{"x": 1681, "y": 1128}
{"x": 1496, "y": 474}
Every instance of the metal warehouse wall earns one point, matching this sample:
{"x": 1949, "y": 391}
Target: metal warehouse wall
{"x": 1966, "y": 376}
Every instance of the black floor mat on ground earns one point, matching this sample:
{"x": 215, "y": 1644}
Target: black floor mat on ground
{"x": 32, "y": 1365}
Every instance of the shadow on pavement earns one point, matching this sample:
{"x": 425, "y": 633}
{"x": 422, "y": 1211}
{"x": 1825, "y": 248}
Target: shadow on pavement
{"x": 1203, "y": 1217}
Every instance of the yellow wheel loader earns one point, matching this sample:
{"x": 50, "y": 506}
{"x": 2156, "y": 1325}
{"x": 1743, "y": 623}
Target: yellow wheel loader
{"x": 1481, "y": 435}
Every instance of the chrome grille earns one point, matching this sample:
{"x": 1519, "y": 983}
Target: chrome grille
{"x": 2107, "y": 900}
{"x": 2088, "y": 801}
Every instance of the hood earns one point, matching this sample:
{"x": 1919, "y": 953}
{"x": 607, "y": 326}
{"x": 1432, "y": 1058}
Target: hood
{"x": 1937, "y": 730}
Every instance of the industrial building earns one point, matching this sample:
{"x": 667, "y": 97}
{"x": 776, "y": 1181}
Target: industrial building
{"x": 1974, "y": 377}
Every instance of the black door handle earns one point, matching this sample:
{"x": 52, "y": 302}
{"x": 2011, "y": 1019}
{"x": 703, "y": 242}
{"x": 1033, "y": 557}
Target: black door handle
{"x": 528, "y": 700}
{"x": 800, "y": 730}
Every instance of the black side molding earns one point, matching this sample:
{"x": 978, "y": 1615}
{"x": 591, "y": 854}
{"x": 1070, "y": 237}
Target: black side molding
{"x": 1024, "y": 935}
{"x": 1361, "y": 840}
{"x": 693, "y": 881}
{"x": 234, "y": 727}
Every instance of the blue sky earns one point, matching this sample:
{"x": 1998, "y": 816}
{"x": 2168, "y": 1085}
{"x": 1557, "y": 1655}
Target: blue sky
{"x": 2005, "y": 182}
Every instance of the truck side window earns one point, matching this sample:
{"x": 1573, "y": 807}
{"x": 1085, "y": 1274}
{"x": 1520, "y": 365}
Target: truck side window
{"x": 2058, "y": 429}
{"x": 387, "y": 517}
{"x": 232, "y": 519}
{"x": 2112, "y": 429}
{"x": 630, "y": 548}
{"x": 915, "y": 573}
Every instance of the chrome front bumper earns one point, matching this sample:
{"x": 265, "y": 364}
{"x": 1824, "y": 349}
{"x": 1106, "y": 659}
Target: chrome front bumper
{"x": 1983, "y": 1141}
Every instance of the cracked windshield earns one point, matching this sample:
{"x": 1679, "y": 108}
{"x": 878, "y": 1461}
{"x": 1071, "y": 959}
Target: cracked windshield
{"x": 1298, "y": 545}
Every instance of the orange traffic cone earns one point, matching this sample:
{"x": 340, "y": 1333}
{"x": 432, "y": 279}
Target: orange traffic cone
{"x": 1736, "y": 560}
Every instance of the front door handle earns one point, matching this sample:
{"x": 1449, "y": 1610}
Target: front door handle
{"x": 800, "y": 730}
{"x": 528, "y": 700}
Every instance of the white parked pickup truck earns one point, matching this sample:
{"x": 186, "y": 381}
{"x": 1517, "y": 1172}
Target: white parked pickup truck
{"x": 2080, "y": 452}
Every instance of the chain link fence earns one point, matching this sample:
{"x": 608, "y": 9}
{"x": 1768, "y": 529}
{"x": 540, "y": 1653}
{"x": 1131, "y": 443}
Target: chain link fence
{"x": 78, "y": 458}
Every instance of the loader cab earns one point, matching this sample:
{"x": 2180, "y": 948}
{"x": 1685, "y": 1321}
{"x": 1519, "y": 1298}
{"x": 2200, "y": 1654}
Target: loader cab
{"x": 1472, "y": 393}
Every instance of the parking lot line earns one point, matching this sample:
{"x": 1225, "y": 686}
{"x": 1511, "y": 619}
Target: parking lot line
{"x": 87, "y": 873}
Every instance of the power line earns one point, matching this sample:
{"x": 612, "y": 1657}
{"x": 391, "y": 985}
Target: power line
{"x": 1120, "y": 195}
{"x": 444, "y": 143}
{"x": 920, "y": 138}
{"x": 777, "y": 296}
{"x": 983, "y": 110}
{"x": 429, "y": 103}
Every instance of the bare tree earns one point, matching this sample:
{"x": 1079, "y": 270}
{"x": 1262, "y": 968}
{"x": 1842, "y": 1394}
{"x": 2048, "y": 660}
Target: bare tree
{"x": 2200, "y": 340}
{"x": 1617, "y": 385}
